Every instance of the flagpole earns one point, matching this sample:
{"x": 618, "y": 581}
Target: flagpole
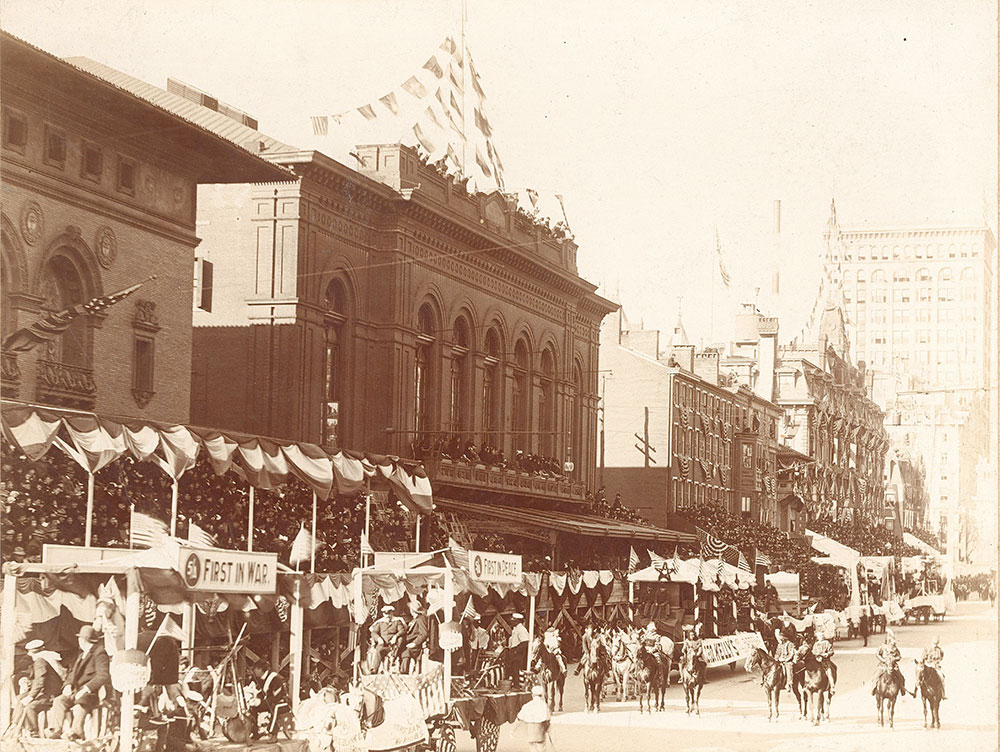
{"x": 312, "y": 548}
{"x": 368, "y": 523}
{"x": 173, "y": 509}
{"x": 418, "y": 533}
{"x": 711, "y": 299}
{"x": 466, "y": 80}
{"x": 250, "y": 521}
{"x": 131, "y": 526}
{"x": 90, "y": 509}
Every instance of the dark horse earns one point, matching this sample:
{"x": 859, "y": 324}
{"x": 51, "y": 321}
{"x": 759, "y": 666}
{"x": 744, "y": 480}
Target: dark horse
{"x": 772, "y": 678}
{"x": 815, "y": 689}
{"x": 931, "y": 692}
{"x": 550, "y": 674}
{"x": 649, "y": 677}
{"x": 598, "y": 663}
{"x": 887, "y": 688}
{"x": 692, "y": 679}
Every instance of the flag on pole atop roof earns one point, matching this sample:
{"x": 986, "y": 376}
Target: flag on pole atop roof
{"x": 633, "y": 560}
{"x": 655, "y": 559}
{"x": 743, "y": 565}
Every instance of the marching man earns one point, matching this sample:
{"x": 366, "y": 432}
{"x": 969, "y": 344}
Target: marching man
{"x": 932, "y": 657}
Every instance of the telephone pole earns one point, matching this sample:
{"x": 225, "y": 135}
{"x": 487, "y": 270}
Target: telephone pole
{"x": 645, "y": 448}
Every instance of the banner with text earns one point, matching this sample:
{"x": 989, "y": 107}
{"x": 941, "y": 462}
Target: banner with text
{"x": 491, "y": 567}
{"x": 225, "y": 571}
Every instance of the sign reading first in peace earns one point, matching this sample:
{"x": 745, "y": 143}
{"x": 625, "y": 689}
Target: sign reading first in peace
{"x": 223, "y": 571}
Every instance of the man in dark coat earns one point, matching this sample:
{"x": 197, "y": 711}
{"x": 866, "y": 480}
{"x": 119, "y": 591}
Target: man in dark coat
{"x": 47, "y": 674}
{"x": 415, "y": 639}
{"x": 89, "y": 674}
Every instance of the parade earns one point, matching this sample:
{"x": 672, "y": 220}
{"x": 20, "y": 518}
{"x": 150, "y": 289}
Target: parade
{"x": 435, "y": 377}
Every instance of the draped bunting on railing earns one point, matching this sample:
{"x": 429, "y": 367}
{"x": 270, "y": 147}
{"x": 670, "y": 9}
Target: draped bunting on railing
{"x": 94, "y": 441}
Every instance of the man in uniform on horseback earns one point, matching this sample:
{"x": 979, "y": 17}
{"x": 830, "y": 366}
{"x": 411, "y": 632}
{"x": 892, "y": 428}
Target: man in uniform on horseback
{"x": 553, "y": 643}
{"x": 888, "y": 658}
{"x": 822, "y": 649}
{"x": 692, "y": 646}
{"x": 785, "y": 654}
{"x": 588, "y": 637}
{"x": 932, "y": 658}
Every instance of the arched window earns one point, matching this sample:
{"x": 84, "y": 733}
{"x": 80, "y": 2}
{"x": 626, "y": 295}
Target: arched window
{"x": 520, "y": 395}
{"x": 491, "y": 384}
{"x": 61, "y": 288}
{"x": 459, "y": 375}
{"x": 423, "y": 371}
{"x": 335, "y": 315}
{"x": 547, "y": 406}
{"x": 923, "y": 275}
{"x": 968, "y": 274}
{"x": 944, "y": 275}
{"x": 579, "y": 418}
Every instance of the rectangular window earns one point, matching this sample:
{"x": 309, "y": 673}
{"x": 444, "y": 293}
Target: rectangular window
{"x": 203, "y": 278}
{"x": 126, "y": 175}
{"x": 142, "y": 365}
{"x": 55, "y": 147}
{"x": 15, "y": 131}
{"x": 93, "y": 162}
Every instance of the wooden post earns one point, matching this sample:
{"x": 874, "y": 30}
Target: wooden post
{"x": 131, "y": 641}
{"x": 8, "y": 620}
{"x": 295, "y": 645}
{"x": 417, "y": 544}
{"x": 250, "y": 522}
{"x": 368, "y": 524}
{"x": 90, "y": 511}
{"x": 276, "y": 650}
{"x": 173, "y": 508}
{"x": 531, "y": 629}
{"x": 631, "y": 602}
{"x": 312, "y": 552}
{"x": 188, "y": 618}
{"x": 449, "y": 615}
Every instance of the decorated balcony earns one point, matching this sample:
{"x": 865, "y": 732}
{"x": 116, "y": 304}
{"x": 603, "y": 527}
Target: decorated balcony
{"x": 464, "y": 479}
{"x": 62, "y": 384}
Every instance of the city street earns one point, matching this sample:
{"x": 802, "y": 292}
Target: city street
{"x": 734, "y": 710}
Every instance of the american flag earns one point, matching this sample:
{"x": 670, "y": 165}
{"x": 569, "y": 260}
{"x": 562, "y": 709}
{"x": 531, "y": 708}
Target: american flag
{"x": 459, "y": 553}
{"x": 633, "y": 559}
{"x": 761, "y": 560}
{"x": 711, "y": 546}
{"x": 469, "y": 612}
{"x": 366, "y": 547}
{"x": 147, "y": 531}
{"x": 302, "y": 547}
{"x": 200, "y": 537}
{"x": 428, "y": 688}
{"x": 743, "y": 565}
{"x": 655, "y": 559}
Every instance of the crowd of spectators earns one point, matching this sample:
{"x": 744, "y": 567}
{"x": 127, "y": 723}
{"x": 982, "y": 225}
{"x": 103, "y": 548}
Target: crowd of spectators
{"x": 926, "y": 536}
{"x": 614, "y": 510}
{"x": 453, "y": 447}
{"x": 984, "y": 585}
{"x": 821, "y": 583}
{"x": 866, "y": 540}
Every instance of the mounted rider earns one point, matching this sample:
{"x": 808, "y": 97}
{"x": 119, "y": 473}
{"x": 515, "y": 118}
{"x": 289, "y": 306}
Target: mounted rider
{"x": 932, "y": 658}
{"x": 785, "y": 654}
{"x": 693, "y": 646}
{"x": 888, "y": 658}
{"x": 585, "y": 640}
{"x": 822, "y": 650}
{"x": 553, "y": 643}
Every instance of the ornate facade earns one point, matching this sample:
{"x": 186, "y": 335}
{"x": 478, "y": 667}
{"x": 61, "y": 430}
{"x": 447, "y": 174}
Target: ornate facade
{"x": 99, "y": 194}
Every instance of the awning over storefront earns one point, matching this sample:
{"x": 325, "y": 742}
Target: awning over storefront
{"x": 838, "y": 552}
{"x": 568, "y": 522}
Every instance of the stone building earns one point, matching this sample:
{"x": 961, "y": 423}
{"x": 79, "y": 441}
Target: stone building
{"x": 708, "y": 443}
{"x": 99, "y": 194}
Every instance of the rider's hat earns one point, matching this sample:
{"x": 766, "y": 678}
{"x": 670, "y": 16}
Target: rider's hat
{"x": 518, "y": 616}
{"x": 387, "y": 609}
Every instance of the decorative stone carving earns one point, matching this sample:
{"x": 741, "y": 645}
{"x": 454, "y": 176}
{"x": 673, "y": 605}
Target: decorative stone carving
{"x": 32, "y": 223}
{"x": 107, "y": 247}
{"x": 145, "y": 316}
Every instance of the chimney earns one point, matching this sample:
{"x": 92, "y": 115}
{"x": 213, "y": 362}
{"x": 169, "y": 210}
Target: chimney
{"x": 767, "y": 355}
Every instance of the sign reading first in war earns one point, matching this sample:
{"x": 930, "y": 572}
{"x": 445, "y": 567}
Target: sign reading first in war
{"x": 225, "y": 571}
{"x": 491, "y": 567}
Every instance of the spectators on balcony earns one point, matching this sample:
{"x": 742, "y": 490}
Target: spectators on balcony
{"x": 866, "y": 540}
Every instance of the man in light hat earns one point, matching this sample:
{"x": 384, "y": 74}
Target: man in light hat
{"x": 536, "y": 717}
{"x": 931, "y": 658}
{"x": 888, "y": 658}
{"x": 386, "y": 636}
{"x": 693, "y": 646}
{"x": 47, "y": 675}
{"x": 89, "y": 674}
{"x": 416, "y": 636}
{"x": 517, "y": 648}
{"x": 784, "y": 654}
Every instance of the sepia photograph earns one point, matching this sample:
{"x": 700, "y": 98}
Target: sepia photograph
{"x": 499, "y": 375}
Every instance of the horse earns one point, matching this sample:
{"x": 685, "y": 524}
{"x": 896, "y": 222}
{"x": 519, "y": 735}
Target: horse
{"x": 623, "y": 656}
{"x": 931, "y": 692}
{"x": 772, "y": 678}
{"x": 887, "y": 688}
{"x": 597, "y": 666}
{"x": 550, "y": 674}
{"x": 649, "y": 677}
{"x": 692, "y": 679}
{"x": 816, "y": 690}
{"x": 665, "y": 655}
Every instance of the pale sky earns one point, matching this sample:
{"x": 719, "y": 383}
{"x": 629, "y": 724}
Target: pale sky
{"x": 657, "y": 121}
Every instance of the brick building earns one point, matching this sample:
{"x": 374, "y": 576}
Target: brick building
{"x": 708, "y": 443}
{"x": 99, "y": 193}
